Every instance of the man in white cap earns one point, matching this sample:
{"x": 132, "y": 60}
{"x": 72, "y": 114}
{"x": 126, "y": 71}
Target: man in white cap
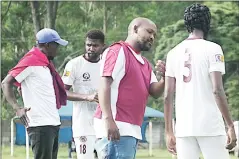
{"x": 42, "y": 91}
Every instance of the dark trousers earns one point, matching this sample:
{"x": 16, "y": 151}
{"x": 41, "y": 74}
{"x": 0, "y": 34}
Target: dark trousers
{"x": 44, "y": 141}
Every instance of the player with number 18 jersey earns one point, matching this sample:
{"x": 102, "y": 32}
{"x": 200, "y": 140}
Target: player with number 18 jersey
{"x": 83, "y": 74}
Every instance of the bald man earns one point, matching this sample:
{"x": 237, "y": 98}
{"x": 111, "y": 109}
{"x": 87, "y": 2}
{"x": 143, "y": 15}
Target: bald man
{"x": 127, "y": 79}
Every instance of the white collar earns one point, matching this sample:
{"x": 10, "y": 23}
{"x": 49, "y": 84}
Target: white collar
{"x": 137, "y": 56}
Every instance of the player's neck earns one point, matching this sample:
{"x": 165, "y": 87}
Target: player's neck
{"x": 133, "y": 45}
{"x": 50, "y": 58}
{"x": 196, "y": 34}
{"x": 87, "y": 58}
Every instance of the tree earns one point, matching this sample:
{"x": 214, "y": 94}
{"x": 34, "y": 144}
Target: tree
{"x": 52, "y": 7}
{"x": 21, "y": 20}
{"x": 35, "y": 16}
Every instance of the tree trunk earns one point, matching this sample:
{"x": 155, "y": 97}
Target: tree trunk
{"x": 4, "y": 15}
{"x": 35, "y": 16}
{"x": 49, "y": 7}
{"x": 90, "y": 6}
{"x": 55, "y": 7}
{"x": 105, "y": 18}
{"x": 52, "y": 7}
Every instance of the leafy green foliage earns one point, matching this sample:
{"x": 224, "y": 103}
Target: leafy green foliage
{"x": 74, "y": 19}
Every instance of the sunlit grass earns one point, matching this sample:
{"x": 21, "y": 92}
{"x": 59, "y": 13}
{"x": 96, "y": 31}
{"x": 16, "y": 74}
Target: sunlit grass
{"x": 20, "y": 153}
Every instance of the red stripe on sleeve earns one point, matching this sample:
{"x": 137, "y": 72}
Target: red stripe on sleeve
{"x": 111, "y": 59}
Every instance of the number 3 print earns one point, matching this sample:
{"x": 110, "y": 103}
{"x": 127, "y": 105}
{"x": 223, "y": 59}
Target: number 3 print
{"x": 187, "y": 64}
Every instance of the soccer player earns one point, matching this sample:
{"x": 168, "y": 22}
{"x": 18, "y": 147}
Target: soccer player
{"x": 127, "y": 80}
{"x": 195, "y": 67}
{"x": 43, "y": 93}
{"x": 83, "y": 74}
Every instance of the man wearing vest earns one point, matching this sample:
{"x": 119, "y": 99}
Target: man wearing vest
{"x": 43, "y": 93}
{"x": 127, "y": 80}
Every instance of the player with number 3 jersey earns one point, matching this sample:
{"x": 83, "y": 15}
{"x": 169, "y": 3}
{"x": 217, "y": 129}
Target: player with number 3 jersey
{"x": 195, "y": 68}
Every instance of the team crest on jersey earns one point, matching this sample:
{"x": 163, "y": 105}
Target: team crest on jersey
{"x": 219, "y": 58}
{"x": 67, "y": 73}
{"x": 86, "y": 76}
{"x": 83, "y": 139}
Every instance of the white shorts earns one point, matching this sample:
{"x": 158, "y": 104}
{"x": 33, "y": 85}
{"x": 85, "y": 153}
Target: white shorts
{"x": 212, "y": 147}
{"x": 85, "y": 147}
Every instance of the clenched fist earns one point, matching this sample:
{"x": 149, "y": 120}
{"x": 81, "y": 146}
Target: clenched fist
{"x": 160, "y": 68}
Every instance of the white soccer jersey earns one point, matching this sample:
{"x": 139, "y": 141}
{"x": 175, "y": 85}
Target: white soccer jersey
{"x": 84, "y": 77}
{"x": 191, "y": 63}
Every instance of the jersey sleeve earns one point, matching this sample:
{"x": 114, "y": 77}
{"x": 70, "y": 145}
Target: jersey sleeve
{"x": 68, "y": 77}
{"x": 153, "y": 78}
{"x": 24, "y": 74}
{"x": 216, "y": 60}
{"x": 170, "y": 66}
{"x": 113, "y": 62}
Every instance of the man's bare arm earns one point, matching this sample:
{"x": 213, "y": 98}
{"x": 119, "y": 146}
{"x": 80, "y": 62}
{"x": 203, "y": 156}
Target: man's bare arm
{"x": 7, "y": 87}
{"x": 168, "y": 103}
{"x": 220, "y": 97}
{"x": 72, "y": 96}
{"x": 156, "y": 88}
{"x": 104, "y": 96}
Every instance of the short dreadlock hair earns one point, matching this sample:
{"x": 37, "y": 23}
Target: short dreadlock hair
{"x": 96, "y": 34}
{"x": 197, "y": 16}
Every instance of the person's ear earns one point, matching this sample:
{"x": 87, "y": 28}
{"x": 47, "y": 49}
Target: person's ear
{"x": 136, "y": 29}
{"x": 104, "y": 47}
{"x": 47, "y": 45}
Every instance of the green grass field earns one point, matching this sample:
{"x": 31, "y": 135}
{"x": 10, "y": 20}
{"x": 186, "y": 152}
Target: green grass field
{"x": 19, "y": 153}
